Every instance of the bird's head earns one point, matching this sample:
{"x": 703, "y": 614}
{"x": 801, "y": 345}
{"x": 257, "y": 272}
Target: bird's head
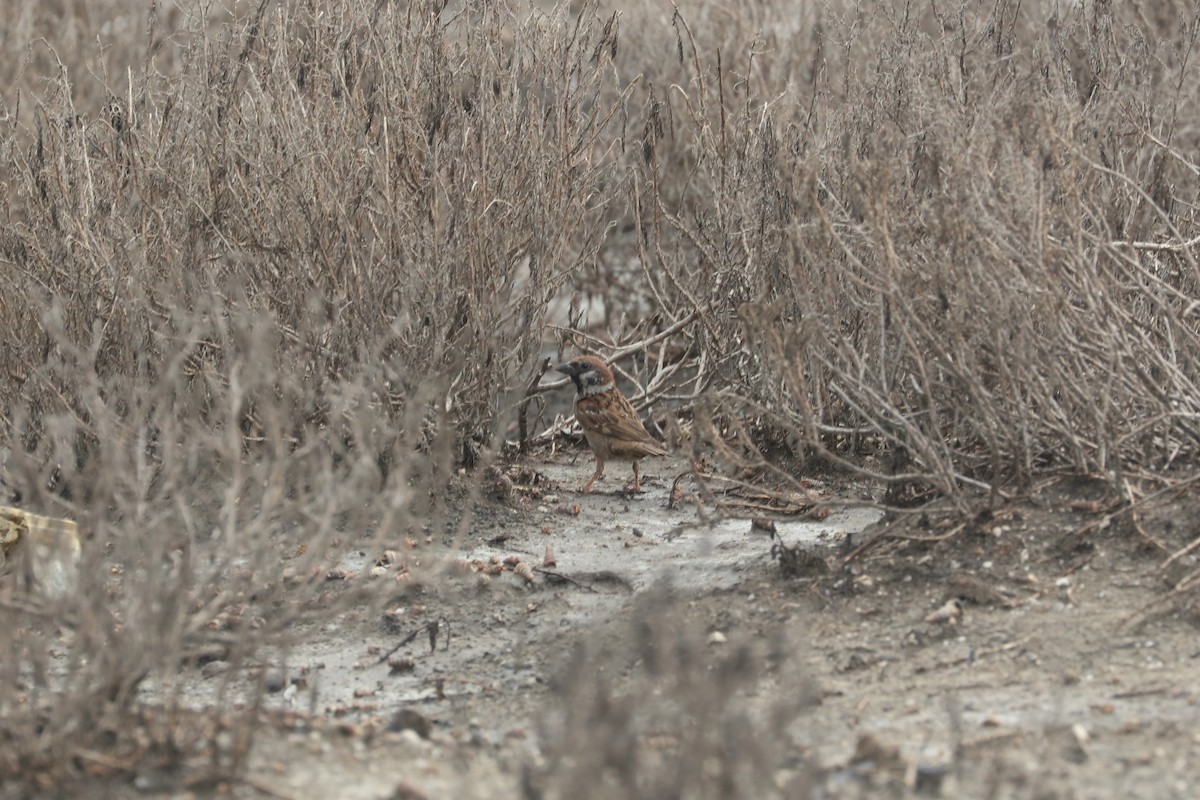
{"x": 589, "y": 373}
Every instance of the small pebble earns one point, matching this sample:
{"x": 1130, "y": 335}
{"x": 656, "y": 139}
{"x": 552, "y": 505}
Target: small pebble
{"x": 275, "y": 680}
{"x": 716, "y": 637}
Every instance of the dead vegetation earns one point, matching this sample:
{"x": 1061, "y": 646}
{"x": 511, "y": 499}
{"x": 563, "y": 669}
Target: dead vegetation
{"x": 271, "y": 276}
{"x": 973, "y": 250}
{"x": 262, "y": 301}
{"x": 677, "y": 712}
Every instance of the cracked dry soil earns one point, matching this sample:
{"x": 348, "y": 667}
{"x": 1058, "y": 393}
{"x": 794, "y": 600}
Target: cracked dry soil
{"x": 1059, "y": 681}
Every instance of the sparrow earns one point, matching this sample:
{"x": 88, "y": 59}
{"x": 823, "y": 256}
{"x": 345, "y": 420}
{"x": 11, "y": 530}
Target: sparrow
{"x": 613, "y": 429}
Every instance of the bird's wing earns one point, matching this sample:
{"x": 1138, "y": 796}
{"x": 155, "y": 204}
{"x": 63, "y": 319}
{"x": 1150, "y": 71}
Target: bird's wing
{"x": 611, "y": 416}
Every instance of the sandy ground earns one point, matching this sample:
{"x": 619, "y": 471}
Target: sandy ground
{"x": 1051, "y": 685}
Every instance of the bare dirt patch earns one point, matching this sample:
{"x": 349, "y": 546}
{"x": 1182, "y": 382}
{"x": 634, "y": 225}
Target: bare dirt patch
{"x": 1050, "y": 684}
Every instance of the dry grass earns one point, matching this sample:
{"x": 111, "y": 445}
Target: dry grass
{"x": 675, "y": 714}
{"x": 963, "y": 236}
{"x": 272, "y": 272}
{"x": 264, "y": 299}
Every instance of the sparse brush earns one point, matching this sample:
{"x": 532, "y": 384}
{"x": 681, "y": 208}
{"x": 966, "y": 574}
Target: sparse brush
{"x": 263, "y": 293}
{"x": 950, "y": 247}
{"x": 676, "y": 713}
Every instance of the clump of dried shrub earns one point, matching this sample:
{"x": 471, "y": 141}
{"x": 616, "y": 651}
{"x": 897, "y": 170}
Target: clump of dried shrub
{"x": 675, "y": 713}
{"x": 265, "y": 288}
{"x": 960, "y": 237}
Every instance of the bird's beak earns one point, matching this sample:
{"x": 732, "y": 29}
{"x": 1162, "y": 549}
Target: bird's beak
{"x": 566, "y": 369}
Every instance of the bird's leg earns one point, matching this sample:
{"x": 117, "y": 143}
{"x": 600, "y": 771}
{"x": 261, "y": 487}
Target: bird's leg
{"x": 636, "y": 485}
{"x": 587, "y": 487}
